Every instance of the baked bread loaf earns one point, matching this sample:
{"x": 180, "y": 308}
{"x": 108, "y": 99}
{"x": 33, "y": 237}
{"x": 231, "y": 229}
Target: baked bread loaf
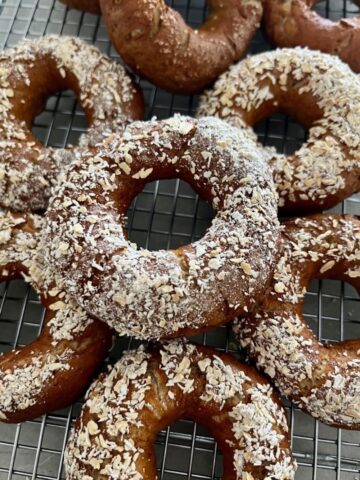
{"x": 156, "y": 294}
{"x": 155, "y": 41}
{"x": 323, "y": 380}
{"x": 29, "y": 74}
{"x": 54, "y": 370}
{"x": 149, "y": 389}
{"x": 290, "y": 23}
{"x": 321, "y": 93}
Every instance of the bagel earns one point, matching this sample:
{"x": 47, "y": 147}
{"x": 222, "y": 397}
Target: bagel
{"x": 166, "y": 293}
{"x": 29, "y": 74}
{"x": 54, "y": 370}
{"x": 290, "y": 23}
{"x": 156, "y": 43}
{"x": 323, "y": 380}
{"x": 149, "y": 389}
{"x": 321, "y": 93}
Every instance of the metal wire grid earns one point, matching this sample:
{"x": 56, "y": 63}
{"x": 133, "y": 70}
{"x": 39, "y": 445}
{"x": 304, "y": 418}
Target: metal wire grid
{"x": 166, "y": 214}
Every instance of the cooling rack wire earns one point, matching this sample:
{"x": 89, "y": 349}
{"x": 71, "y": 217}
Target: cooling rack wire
{"x": 166, "y": 214}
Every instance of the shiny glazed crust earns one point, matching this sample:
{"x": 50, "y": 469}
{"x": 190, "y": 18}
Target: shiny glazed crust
{"x": 290, "y": 23}
{"x": 147, "y": 390}
{"x": 29, "y": 74}
{"x": 155, "y": 41}
{"x": 91, "y": 6}
{"x": 54, "y": 370}
{"x": 323, "y": 380}
{"x": 317, "y": 90}
{"x": 156, "y": 294}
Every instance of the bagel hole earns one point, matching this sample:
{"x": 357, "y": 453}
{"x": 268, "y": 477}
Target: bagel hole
{"x": 168, "y": 214}
{"x": 335, "y": 10}
{"x": 282, "y": 132}
{"x": 193, "y": 13}
{"x": 332, "y": 310}
{"x": 62, "y": 121}
{"x": 186, "y": 446}
{"x": 21, "y": 315}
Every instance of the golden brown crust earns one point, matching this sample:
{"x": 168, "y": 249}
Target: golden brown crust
{"x": 91, "y": 6}
{"x": 155, "y": 41}
{"x": 29, "y": 73}
{"x": 291, "y": 23}
{"x": 323, "y": 380}
{"x": 168, "y": 292}
{"x": 53, "y": 371}
{"x": 149, "y": 389}
{"x": 321, "y": 93}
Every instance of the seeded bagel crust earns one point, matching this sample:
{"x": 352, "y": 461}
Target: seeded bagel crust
{"x": 323, "y": 380}
{"x": 29, "y": 74}
{"x": 165, "y": 293}
{"x": 150, "y": 388}
{"x": 317, "y": 90}
{"x": 53, "y": 371}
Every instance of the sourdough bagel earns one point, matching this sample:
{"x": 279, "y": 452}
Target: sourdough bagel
{"x": 53, "y": 371}
{"x": 317, "y": 90}
{"x": 149, "y": 389}
{"x": 323, "y": 380}
{"x": 155, "y": 41}
{"x": 290, "y": 23}
{"x": 29, "y": 73}
{"x": 165, "y": 293}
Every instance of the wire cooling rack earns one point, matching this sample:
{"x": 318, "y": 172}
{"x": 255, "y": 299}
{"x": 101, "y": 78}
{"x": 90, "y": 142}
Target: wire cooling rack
{"x": 166, "y": 214}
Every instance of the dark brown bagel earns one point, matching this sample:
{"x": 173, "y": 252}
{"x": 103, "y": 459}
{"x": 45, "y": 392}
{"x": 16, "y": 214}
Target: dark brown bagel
{"x": 29, "y": 73}
{"x": 91, "y": 6}
{"x": 291, "y": 23}
{"x": 155, "y": 41}
{"x": 53, "y": 371}
{"x": 168, "y": 292}
{"x": 147, "y": 390}
{"x": 323, "y": 94}
{"x": 323, "y": 380}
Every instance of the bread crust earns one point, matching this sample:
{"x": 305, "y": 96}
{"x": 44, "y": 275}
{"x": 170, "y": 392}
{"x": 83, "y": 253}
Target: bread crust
{"x": 53, "y": 371}
{"x": 165, "y": 293}
{"x": 291, "y": 23}
{"x": 322, "y": 379}
{"x": 321, "y": 93}
{"x": 154, "y": 40}
{"x": 149, "y": 389}
{"x": 29, "y": 74}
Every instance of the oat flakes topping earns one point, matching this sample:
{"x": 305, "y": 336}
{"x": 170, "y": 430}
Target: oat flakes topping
{"x": 156, "y": 294}
{"x": 106, "y": 93}
{"x": 125, "y": 408}
{"x": 326, "y": 168}
{"x": 23, "y": 379}
{"x": 324, "y": 380}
